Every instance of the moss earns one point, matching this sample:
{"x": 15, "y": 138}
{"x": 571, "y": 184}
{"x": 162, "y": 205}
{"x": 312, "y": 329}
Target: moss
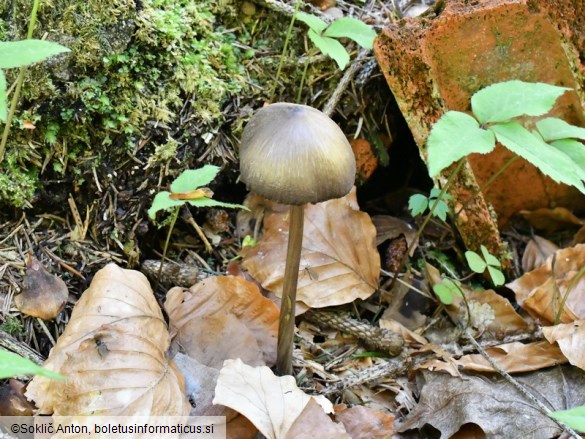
{"x": 167, "y": 64}
{"x": 17, "y": 184}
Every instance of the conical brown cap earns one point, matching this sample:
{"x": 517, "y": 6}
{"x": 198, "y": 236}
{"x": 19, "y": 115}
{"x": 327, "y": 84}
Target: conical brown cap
{"x": 295, "y": 154}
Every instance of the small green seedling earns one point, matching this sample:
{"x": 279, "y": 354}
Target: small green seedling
{"x": 553, "y": 147}
{"x": 189, "y": 187}
{"x": 478, "y": 264}
{"x": 12, "y": 365}
{"x": 573, "y": 418}
{"x": 418, "y": 204}
{"x": 447, "y": 290}
{"x": 325, "y": 36}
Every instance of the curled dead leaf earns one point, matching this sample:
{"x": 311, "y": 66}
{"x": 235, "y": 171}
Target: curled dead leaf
{"x": 571, "y": 340}
{"x": 512, "y": 357}
{"x": 271, "y": 403}
{"x": 363, "y": 422}
{"x": 113, "y": 354}
{"x": 447, "y": 403}
{"x": 43, "y": 294}
{"x": 223, "y": 317}
{"x": 554, "y": 294}
{"x": 536, "y": 252}
{"x": 339, "y": 259}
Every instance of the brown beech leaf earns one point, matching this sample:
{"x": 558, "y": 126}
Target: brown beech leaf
{"x": 536, "y": 252}
{"x": 513, "y": 357}
{"x": 113, "y": 354}
{"x": 571, "y": 339}
{"x": 223, "y": 317}
{"x": 339, "y": 259}
{"x": 12, "y": 400}
{"x": 200, "y": 381}
{"x": 314, "y": 422}
{"x": 43, "y": 294}
{"x": 542, "y": 292}
{"x": 551, "y": 220}
{"x": 489, "y": 310}
{"x": 271, "y": 403}
{"x": 362, "y": 422}
{"x": 447, "y": 403}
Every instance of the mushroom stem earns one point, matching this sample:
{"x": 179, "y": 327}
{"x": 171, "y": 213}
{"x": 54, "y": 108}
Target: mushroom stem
{"x": 286, "y": 325}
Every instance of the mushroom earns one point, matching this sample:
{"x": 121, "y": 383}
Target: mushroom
{"x": 294, "y": 154}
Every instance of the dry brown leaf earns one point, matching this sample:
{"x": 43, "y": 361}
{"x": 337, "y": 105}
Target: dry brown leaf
{"x": 12, "y": 400}
{"x": 362, "y": 422}
{"x": 366, "y": 160}
{"x": 389, "y": 227}
{"x": 398, "y": 328}
{"x": 571, "y": 340}
{"x": 489, "y": 311}
{"x": 541, "y": 293}
{"x": 536, "y": 252}
{"x": 223, "y": 317}
{"x": 551, "y": 220}
{"x": 113, "y": 354}
{"x": 339, "y": 260}
{"x": 313, "y": 422}
{"x": 271, "y": 403}
{"x": 515, "y": 357}
{"x": 200, "y": 381}
{"x": 447, "y": 403}
{"x": 43, "y": 294}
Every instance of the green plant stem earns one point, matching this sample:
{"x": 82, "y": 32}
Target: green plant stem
{"x": 574, "y": 281}
{"x": 488, "y": 182}
{"x": 419, "y": 232}
{"x": 303, "y": 77}
{"x": 164, "y": 255}
{"x": 285, "y": 47}
{"x": 19, "y": 82}
{"x": 286, "y": 324}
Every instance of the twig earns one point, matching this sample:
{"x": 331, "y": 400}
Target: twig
{"x": 10, "y": 343}
{"x": 344, "y": 81}
{"x": 391, "y": 369}
{"x": 289, "y": 10}
{"x": 523, "y": 390}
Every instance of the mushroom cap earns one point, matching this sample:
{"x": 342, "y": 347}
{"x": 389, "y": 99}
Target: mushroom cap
{"x": 295, "y": 154}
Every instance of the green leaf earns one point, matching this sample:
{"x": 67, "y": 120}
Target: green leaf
{"x": 497, "y": 276}
{"x": 454, "y": 136}
{"x": 475, "y": 262}
{"x": 14, "y": 365}
{"x": 573, "y": 148}
{"x": 314, "y": 23}
{"x": 446, "y": 290}
{"x": 191, "y": 179}
{"x": 163, "y": 201}
{"x": 3, "y": 97}
{"x": 330, "y": 47}
{"x": 553, "y": 128}
{"x": 505, "y": 100}
{"x": 441, "y": 210}
{"x": 489, "y": 258}
{"x": 353, "y": 29}
{"x": 574, "y": 418}
{"x": 210, "y": 202}
{"x": 417, "y": 204}
{"x": 548, "y": 159}
{"x": 23, "y": 53}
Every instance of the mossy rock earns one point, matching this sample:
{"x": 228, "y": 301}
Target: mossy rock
{"x": 137, "y": 71}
